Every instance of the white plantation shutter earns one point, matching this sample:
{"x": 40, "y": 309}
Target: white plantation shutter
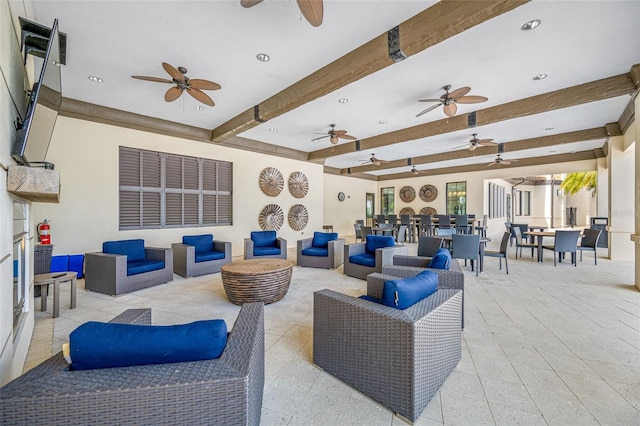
{"x": 159, "y": 190}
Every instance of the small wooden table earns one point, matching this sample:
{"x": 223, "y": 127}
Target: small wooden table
{"x": 256, "y": 280}
{"x": 55, "y": 278}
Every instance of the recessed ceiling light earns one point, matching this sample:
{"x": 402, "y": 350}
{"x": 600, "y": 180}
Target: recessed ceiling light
{"x": 343, "y": 100}
{"x": 383, "y": 122}
{"x": 263, "y": 57}
{"x": 273, "y": 129}
{"x": 540, "y": 76}
{"x": 528, "y": 26}
{"x": 95, "y": 79}
{"x": 553, "y": 150}
{"x": 548, "y": 128}
{"x": 198, "y": 108}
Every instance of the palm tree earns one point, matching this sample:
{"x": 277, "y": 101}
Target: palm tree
{"x": 574, "y": 182}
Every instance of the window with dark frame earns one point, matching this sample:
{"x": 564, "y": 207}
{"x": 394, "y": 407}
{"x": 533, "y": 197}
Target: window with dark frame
{"x": 387, "y": 203}
{"x": 456, "y": 198}
{"x": 160, "y": 190}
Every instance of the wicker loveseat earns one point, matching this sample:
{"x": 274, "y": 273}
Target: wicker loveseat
{"x": 399, "y": 358}
{"x": 227, "y": 390}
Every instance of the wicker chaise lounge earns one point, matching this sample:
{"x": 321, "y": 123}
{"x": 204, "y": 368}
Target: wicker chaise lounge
{"x": 399, "y": 358}
{"x": 227, "y": 390}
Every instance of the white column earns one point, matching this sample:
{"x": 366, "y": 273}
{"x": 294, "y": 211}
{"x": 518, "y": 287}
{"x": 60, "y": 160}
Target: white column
{"x": 621, "y": 166}
{"x": 633, "y": 133}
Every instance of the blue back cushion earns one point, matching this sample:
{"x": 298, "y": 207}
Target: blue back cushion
{"x": 378, "y": 241}
{"x": 106, "y": 345}
{"x": 133, "y": 249}
{"x": 59, "y": 264}
{"x": 202, "y": 243}
{"x": 441, "y": 260}
{"x": 404, "y": 292}
{"x": 321, "y": 239}
{"x": 76, "y": 263}
{"x": 263, "y": 238}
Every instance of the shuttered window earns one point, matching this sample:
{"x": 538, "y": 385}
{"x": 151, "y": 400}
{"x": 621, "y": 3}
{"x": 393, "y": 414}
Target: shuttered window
{"x": 159, "y": 190}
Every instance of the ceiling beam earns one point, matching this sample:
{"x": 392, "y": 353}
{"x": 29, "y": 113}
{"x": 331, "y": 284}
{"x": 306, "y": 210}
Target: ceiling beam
{"x": 525, "y": 162}
{"x": 519, "y": 145}
{"x": 584, "y": 93}
{"x": 428, "y": 28}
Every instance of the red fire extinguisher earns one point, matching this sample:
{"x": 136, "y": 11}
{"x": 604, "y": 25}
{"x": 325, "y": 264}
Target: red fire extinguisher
{"x": 44, "y": 232}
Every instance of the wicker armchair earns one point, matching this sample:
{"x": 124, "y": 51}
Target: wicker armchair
{"x": 333, "y": 259}
{"x": 227, "y": 390}
{"x": 399, "y": 358}
{"x": 383, "y": 256}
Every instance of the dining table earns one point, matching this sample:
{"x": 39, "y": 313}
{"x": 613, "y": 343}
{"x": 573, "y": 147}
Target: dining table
{"x": 538, "y": 236}
{"x": 483, "y": 242}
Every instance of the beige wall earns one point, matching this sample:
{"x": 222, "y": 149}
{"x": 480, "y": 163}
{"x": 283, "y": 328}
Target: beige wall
{"x": 342, "y": 215}
{"x": 621, "y": 168}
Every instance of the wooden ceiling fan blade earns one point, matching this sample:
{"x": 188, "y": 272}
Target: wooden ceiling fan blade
{"x": 197, "y": 83}
{"x": 429, "y": 100}
{"x": 321, "y": 137}
{"x": 249, "y": 3}
{"x": 312, "y": 10}
{"x": 157, "y": 79}
{"x": 505, "y": 162}
{"x": 487, "y": 142}
{"x": 450, "y": 109}
{"x": 472, "y": 99}
{"x": 172, "y": 94}
{"x": 491, "y": 164}
{"x": 173, "y": 72}
{"x": 200, "y": 96}
{"x": 339, "y": 132}
{"x": 431, "y": 108}
{"x": 458, "y": 93}
{"x": 473, "y": 147}
{"x": 348, "y": 137}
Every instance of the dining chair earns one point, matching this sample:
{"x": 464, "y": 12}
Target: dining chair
{"x": 520, "y": 243}
{"x": 358, "y": 228}
{"x": 401, "y": 234}
{"x": 482, "y": 228}
{"x": 426, "y": 225}
{"x": 428, "y": 246}
{"x": 462, "y": 223}
{"x": 444, "y": 221}
{"x": 445, "y": 231}
{"x": 466, "y": 246}
{"x": 393, "y": 219}
{"x": 364, "y": 231}
{"x": 380, "y": 219}
{"x": 507, "y": 225}
{"x": 589, "y": 242}
{"x": 502, "y": 253}
{"x": 405, "y": 219}
{"x": 565, "y": 242}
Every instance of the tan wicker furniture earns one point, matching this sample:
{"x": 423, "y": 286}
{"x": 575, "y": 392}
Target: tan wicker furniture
{"x": 256, "y": 280}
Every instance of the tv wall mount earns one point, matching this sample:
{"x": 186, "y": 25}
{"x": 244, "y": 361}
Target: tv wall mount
{"x": 35, "y": 38}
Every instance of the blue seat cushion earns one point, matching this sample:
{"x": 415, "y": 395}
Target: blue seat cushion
{"x": 106, "y": 345}
{"x": 321, "y": 239}
{"x": 266, "y": 251}
{"x": 404, "y": 292}
{"x": 263, "y": 238}
{"x": 133, "y": 249}
{"x": 378, "y": 241}
{"x": 441, "y": 260}
{"x": 141, "y": 266}
{"x": 59, "y": 263}
{"x": 364, "y": 259}
{"x": 202, "y": 243}
{"x": 208, "y": 255}
{"x": 316, "y": 251}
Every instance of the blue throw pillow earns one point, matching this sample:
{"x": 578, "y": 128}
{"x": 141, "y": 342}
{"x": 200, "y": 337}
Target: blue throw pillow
{"x": 441, "y": 260}
{"x": 202, "y": 243}
{"x": 321, "y": 239}
{"x": 106, "y": 345}
{"x": 404, "y": 292}
{"x": 378, "y": 241}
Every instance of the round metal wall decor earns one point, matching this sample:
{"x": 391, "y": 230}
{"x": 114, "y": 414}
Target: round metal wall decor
{"x": 298, "y": 217}
{"x": 407, "y": 194}
{"x": 428, "y": 193}
{"x": 428, "y": 210}
{"x": 271, "y": 181}
{"x": 298, "y": 184}
{"x": 271, "y": 218}
{"x": 407, "y": 210}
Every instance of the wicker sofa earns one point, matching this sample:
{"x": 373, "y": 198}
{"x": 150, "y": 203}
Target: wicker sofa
{"x": 227, "y": 390}
{"x": 399, "y": 358}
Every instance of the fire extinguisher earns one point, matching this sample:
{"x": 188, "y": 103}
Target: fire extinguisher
{"x": 44, "y": 234}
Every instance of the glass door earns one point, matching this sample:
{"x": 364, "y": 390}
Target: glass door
{"x": 370, "y": 206}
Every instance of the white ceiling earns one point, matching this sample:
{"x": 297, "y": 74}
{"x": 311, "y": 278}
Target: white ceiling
{"x": 577, "y": 42}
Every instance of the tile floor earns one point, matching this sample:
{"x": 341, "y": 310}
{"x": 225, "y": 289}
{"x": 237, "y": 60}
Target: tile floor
{"x": 542, "y": 345}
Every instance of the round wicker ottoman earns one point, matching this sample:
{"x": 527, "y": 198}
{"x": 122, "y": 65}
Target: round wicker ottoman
{"x": 256, "y": 280}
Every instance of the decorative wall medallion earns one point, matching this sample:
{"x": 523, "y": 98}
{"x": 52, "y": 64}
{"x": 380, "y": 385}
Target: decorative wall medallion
{"x": 271, "y": 218}
{"x": 428, "y": 210}
{"x": 271, "y": 181}
{"x": 428, "y": 193}
{"x": 407, "y": 210}
{"x": 298, "y": 184}
{"x": 407, "y": 194}
{"x": 298, "y": 217}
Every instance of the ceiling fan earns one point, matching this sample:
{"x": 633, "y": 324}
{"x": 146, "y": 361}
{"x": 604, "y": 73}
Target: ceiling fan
{"x": 334, "y": 135}
{"x": 414, "y": 171}
{"x": 193, "y": 86}
{"x": 474, "y": 143}
{"x": 449, "y": 100}
{"x": 499, "y": 160}
{"x": 311, "y": 9}
{"x": 375, "y": 161}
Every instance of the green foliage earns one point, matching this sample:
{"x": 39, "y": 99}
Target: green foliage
{"x": 574, "y": 182}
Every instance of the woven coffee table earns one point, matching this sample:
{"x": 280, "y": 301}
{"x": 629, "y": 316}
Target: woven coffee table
{"x": 256, "y": 280}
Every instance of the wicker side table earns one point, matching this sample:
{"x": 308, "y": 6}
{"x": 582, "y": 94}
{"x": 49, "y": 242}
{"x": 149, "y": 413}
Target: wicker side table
{"x": 256, "y": 280}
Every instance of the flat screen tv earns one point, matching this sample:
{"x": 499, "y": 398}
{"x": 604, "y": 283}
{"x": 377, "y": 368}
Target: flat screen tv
{"x": 34, "y": 134}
